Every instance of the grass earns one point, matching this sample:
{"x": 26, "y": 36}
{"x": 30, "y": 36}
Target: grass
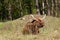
{"x": 1, "y": 24}
{"x": 12, "y": 30}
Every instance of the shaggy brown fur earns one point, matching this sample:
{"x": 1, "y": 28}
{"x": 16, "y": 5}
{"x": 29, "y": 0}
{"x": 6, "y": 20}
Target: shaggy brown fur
{"x": 33, "y": 27}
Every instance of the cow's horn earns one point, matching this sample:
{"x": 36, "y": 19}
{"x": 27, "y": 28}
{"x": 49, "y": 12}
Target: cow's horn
{"x": 43, "y": 17}
{"x": 33, "y": 17}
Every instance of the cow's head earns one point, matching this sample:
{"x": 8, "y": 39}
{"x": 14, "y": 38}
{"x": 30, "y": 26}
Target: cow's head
{"x": 38, "y": 21}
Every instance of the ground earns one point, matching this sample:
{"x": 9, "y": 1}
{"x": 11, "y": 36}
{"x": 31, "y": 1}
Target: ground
{"x": 12, "y": 30}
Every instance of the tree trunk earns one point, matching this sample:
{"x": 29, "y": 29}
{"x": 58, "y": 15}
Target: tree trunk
{"x": 9, "y": 10}
{"x": 43, "y": 6}
{"x": 52, "y": 9}
{"x": 58, "y": 9}
{"x": 21, "y": 14}
{"x": 48, "y": 8}
{"x": 37, "y": 7}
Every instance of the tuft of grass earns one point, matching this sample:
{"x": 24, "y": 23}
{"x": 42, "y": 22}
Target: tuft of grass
{"x": 1, "y": 24}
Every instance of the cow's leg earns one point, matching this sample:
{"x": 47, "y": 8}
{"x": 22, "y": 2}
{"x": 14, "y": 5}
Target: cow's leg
{"x": 26, "y": 30}
{"x": 38, "y": 31}
{"x": 35, "y": 30}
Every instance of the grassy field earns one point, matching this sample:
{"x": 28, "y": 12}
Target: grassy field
{"x": 12, "y": 30}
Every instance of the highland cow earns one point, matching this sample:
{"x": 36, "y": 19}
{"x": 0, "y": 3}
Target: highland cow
{"x": 34, "y": 25}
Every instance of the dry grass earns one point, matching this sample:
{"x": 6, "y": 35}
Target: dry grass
{"x": 12, "y": 30}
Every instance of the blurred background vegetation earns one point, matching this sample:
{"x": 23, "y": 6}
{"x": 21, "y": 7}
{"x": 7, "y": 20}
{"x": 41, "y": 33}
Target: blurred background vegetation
{"x": 13, "y": 9}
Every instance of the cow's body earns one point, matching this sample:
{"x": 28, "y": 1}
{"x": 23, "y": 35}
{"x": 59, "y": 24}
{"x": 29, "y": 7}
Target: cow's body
{"x": 33, "y": 26}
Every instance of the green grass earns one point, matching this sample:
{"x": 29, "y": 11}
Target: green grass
{"x": 12, "y": 30}
{"x": 1, "y": 24}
